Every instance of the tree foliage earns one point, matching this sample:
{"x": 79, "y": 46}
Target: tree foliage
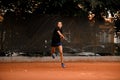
{"x": 62, "y": 7}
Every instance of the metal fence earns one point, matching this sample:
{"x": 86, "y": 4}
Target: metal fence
{"x": 33, "y": 34}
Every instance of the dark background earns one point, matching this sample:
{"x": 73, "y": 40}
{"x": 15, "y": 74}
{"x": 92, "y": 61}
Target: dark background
{"x": 28, "y": 25}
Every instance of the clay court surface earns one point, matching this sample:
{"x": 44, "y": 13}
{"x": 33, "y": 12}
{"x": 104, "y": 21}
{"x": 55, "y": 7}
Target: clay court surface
{"x": 53, "y": 71}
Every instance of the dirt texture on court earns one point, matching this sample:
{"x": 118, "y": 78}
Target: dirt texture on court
{"x": 53, "y": 71}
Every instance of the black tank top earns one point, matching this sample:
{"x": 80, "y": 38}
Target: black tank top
{"x": 56, "y": 37}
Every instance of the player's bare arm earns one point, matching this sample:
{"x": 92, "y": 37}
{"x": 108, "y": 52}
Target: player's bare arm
{"x": 61, "y": 35}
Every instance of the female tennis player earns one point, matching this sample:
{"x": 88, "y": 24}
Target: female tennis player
{"x": 56, "y": 42}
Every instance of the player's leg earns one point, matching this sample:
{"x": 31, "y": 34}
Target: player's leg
{"x": 53, "y": 52}
{"x": 60, "y": 48}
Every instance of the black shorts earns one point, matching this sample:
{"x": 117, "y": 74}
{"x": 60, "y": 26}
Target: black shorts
{"x": 56, "y": 44}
